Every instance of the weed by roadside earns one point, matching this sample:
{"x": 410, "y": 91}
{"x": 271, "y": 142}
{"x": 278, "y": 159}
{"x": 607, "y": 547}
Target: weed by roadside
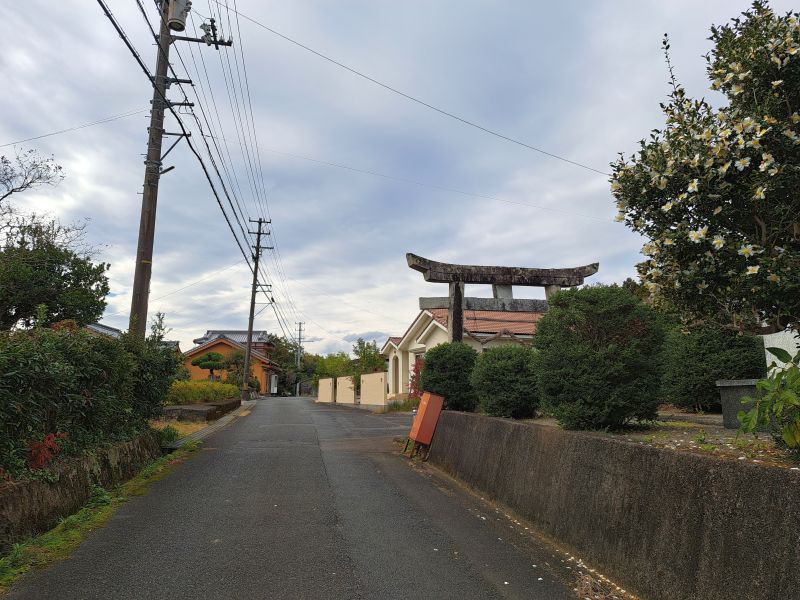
{"x": 64, "y": 538}
{"x": 406, "y": 405}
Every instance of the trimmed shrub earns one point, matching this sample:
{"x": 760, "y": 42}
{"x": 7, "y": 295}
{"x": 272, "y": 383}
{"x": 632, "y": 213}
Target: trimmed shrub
{"x": 81, "y": 389}
{"x": 504, "y": 380}
{"x": 446, "y": 372}
{"x": 693, "y": 360}
{"x": 599, "y": 358}
{"x": 195, "y": 392}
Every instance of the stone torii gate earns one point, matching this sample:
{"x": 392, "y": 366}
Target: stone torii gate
{"x": 501, "y": 279}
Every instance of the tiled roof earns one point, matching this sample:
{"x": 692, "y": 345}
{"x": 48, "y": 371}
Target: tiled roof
{"x": 395, "y": 340}
{"x": 222, "y": 337}
{"x": 493, "y": 321}
{"x": 237, "y": 335}
{"x": 105, "y": 330}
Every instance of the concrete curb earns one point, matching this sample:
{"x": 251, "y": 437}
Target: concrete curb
{"x": 215, "y": 426}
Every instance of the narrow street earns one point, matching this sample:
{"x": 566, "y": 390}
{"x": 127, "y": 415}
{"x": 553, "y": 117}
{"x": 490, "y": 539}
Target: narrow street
{"x": 299, "y": 500}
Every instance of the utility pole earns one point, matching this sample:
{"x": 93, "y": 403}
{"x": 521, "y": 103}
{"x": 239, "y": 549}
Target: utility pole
{"x": 172, "y": 17}
{"x": 297, "y": 353}
{"x": 256, "y": 255}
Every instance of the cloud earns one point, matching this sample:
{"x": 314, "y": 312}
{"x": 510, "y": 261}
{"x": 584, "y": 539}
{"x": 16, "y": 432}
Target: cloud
{"x": 581, "y": 83}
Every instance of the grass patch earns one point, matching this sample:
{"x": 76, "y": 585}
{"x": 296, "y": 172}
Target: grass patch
{"x": 64, "y": 538}
{"x": 183, "y": 428}
{"x": 406, "y": 405}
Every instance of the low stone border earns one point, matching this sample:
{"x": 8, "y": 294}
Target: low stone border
{"x": 206, "y": 411}
{"x": 206, "y": 431}
{"x": 31, "y": 507}
{"x": 668, "y": 525}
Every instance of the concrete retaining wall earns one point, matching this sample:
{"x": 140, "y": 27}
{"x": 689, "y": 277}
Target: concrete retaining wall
{"x": 327, "y": 391}
{"x": 373, "y": 389}
{"x": 31, "y": 507}
{"x": 345, "y": 393}
{"x": 665, "y": 525}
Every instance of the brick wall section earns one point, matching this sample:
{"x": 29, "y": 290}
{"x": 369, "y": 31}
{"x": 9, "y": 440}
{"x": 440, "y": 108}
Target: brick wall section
{"x": 31, "y": 507}
{"x": 665, "y": 525}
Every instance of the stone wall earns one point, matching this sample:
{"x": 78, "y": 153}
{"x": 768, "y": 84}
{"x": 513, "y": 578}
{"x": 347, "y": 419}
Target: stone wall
{"x": 31, "y": 507}
{"x": 345, "y": 393}
{"x": 665, "y": 525}
{"x": 373, "y": 389}
{"x": 326, "y": 391}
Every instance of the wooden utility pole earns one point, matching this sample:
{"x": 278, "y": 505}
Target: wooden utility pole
{"x": 297, "y": 354}
{"x": 172, "y": 17}
{"x": 248, "y": 348}
{"x": 152, "y": 174}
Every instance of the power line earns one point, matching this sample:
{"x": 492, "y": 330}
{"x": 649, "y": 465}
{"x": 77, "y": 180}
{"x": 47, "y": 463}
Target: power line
{"x": 130, "y": 113}
{"x": 413, "y": 98}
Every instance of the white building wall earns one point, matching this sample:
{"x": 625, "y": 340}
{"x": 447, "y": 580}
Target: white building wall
{"x": 787, "y": 340}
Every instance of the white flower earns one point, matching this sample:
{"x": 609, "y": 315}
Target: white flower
{"x": 766, "y": 161}
{"x": 667, "y": 207}
{"x": 736, "y": 89}
{"x": 760, "y": 193}
{"x": 752, "y": 270}
{"x": 777, "y": 82}
{"x": 746, "y": 250}
{"x": 620, "y": 217}
{"x": 742, "y": 163}
{"x": 695, "y": 161}
{"x": 692, "y": 186}
{"x": 717, "y": 210}
{"x": 772, "y": 278}
{"x": 702, "y": 285}
{"x": 615, "y": 186}
{"x": 662, "y": 183}
{"x": 669, "y": 242}
{"x": 698, "y": 235}
{"x": 718, "y": 242}
{"x": 724, "y": 168}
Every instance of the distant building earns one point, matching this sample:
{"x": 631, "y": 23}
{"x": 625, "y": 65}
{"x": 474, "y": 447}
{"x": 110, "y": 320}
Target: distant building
{"x": 482, "y": 329}
{"x": 228, "y": 341}
{"x": 113, "y": 332}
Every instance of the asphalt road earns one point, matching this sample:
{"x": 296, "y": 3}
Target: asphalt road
{"x": 298, "y": 500}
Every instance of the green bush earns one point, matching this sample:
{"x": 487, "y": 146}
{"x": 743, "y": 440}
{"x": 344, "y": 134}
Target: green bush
{"x": 599, "y": 358}
{"x": 195, "y": 392}
{"x": 693, "y": 360}
{"x": 93, "y": 389}
{"x": 504, "y": 380}
{"x": 446, "y": 373}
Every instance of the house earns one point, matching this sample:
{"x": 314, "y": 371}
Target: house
{"x": 482, "y": 329}
{"x": 228, "y": 341}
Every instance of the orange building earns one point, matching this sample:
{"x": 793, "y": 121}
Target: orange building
{"x": 226, "y": 342}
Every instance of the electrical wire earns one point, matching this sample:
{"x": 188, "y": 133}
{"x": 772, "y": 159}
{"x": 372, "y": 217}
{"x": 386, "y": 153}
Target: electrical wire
{"x": 124, "y": 115}
{"x": 413, "y": 98}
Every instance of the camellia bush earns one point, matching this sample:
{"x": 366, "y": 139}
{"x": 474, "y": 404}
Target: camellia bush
{"x": 504, "y": 379}
{"x": 693, "y": 360}
{"x": 598, "y": 362}
{"x": 446, "y": 372}
{"x": 715, "y": 190}
{"x": 66, "y": 391}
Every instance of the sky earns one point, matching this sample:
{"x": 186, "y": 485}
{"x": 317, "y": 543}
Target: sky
{"x": 582, "y": 80}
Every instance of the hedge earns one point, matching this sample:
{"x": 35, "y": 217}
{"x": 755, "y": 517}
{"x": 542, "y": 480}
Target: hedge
{"x": 693, "y": 360}
{"x": 504, "y": 379}
{"x": 446, "y": 373}
{"x": 599, "y": 358}
{"x": 195, "y": 392}
{"x": 76, "y": 390}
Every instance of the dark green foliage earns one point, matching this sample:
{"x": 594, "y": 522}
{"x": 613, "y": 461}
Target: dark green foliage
{"x": 94, "y": 389}
{"x": 598, "y": 362}
{"x": 168, "y": 435}
{"x": 505, "y": 381}
{"x": 446, "y": 373}
{"x": 693, "y": 360}
{"x": 39, "y": 267}
{"x": 212, "y": 361}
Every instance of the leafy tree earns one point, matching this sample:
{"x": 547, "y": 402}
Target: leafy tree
{"x": 27, "y": 170}
{"x": 212, "y": 361}
{"x": 505, "y": 381}
{"x": 715, "y": 190}
{"x": 368, "y": 360}
{"x": 234, "y": 367}
{"x": 334, "y": 365}
{"x": 693, "y": 360}
{"x": 598, "y": 365}
{"x": 39, "y": 265}
{"x": 446, "y": 372}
